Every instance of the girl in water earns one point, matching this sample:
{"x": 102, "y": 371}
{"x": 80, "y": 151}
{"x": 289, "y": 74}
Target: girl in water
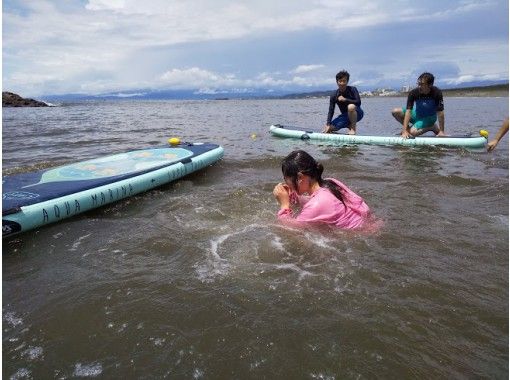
{"x": 329, "y": 201}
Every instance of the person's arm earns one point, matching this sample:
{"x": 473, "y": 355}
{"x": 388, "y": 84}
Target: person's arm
{"x": 355, "y": 98}
{"x": 407, "y": 116}
{"x": 440, "y": 119}
{"x": 405, "y": 125}
{"x": 281, "y": 192}
{"x": 316, "y": 210}
{"x": 440, "y": 110}
{"x": 332, "y": 102}
{"x": 502, "y": 131}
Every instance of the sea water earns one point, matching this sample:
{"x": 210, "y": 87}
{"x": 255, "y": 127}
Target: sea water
{"x": 197, "y": 279}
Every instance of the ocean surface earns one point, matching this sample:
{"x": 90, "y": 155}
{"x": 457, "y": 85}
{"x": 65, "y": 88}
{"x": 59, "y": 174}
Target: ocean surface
{"x": 198, "y": 280}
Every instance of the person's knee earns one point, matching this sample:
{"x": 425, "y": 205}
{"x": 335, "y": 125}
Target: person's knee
{"x": 415, "y": 131}
{"x": 351, "y": 108}
{"x": 396, "y": 112}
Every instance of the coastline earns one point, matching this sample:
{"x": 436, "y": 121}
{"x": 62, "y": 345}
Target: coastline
{"x": 500, "y": 90}
{"x": 488, "y": 91}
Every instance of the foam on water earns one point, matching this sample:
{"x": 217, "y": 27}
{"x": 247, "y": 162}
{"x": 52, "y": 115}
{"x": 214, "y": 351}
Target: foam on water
{"x": 12, "y": 319}
{"x": 21, "y": 373}
{"x": 294, "y": 268}
{"x": 278, "y": 244}
{"x": 243, "y": 252}
{"x": 88, "y": 370}
{"x": 271, "y": 249}
{"x": 500, "y": 219}
{"x": 322, "y": 376}
{"x": 33, "y": 353}
{"x": 77, "y": 243}
{"x": 319, "y": 240}
{"x": 198, "y": 373}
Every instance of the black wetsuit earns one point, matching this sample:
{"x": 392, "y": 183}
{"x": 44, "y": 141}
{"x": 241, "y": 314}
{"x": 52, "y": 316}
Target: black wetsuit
{"x": 351, "y": 96}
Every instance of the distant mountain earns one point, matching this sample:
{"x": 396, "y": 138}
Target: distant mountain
{"x": 222, "y": 94}
{"x": 485, "y": 83}
{"x": 146, "y": 94}
{"x": 494, "y": 90}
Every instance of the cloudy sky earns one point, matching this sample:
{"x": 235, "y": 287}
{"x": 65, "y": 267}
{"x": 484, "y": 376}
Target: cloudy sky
{"x": 99, "y": 46}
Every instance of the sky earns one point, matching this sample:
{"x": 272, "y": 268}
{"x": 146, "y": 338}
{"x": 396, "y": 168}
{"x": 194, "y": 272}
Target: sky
{"x": 211, "y": 46}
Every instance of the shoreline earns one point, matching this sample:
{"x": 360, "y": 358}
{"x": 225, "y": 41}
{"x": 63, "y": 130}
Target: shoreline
{"x": 500, "y": 90}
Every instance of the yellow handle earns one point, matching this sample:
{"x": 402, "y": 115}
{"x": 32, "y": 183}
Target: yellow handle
{"x": 484, "y": 133}
{"x": 174, "y": 141}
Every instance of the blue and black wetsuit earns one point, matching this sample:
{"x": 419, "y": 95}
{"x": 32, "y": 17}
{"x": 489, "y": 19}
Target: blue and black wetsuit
{"x": 424, "y": 107}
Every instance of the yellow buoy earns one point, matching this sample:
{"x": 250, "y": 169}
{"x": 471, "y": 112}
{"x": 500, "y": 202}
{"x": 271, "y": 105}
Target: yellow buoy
{"x": 174, "y": 141}
{"x": 484, "y": 133}
{"x": 253, "y": 136}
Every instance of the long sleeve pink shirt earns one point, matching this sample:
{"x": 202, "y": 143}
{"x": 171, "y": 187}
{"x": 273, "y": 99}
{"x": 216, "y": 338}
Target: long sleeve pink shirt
{"x": 323, "y": 207}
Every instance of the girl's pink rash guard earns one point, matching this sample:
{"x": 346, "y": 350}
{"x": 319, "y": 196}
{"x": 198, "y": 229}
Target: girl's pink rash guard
{"x": 323, "y": 207}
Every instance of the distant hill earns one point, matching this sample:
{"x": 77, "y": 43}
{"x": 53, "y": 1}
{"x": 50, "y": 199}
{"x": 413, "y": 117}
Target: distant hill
{"x": 474, "y": 89}
{"x": 148, "y": 94}
{"x": 494, "y": 90}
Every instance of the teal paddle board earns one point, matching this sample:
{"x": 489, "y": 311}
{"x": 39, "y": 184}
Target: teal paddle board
{"x": 464, "y": 141}
{"x": 31, "y": 200}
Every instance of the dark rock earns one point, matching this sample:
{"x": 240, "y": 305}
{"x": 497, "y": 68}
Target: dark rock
{"x": 13, "y": 100}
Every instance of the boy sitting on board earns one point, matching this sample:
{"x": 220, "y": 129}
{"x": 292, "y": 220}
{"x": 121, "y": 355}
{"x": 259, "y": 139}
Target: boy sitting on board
{"x": 348, "y": 101}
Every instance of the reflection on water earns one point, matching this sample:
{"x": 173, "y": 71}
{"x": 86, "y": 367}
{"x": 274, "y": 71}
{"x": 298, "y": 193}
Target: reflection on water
{"x": 422, "y": 160}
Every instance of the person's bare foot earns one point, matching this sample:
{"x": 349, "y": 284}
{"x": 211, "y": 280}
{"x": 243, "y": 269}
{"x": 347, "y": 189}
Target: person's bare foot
{"x": 351, "y": 131}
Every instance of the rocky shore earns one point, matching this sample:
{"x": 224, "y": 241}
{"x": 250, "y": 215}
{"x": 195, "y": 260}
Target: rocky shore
{"x": 10, "y": 99}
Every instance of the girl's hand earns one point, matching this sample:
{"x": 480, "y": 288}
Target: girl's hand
{"x": 282, "y": 194}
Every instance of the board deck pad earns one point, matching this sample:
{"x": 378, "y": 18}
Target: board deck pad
{"x": 28, "y": 188}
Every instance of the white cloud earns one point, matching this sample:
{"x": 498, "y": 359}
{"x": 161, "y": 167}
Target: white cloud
{"x": 195, "y": 77}
{"x": 99, "y": 45}
{"x": 100, "y": 5}
{"x": 471, "y": 78}
{"x": 306, "y": 69}
{"x": 129, "y": 95}
{"x": 209, "y": 82}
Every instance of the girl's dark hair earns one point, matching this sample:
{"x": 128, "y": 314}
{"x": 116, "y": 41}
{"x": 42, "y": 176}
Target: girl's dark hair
{"x": 299, "y": 161}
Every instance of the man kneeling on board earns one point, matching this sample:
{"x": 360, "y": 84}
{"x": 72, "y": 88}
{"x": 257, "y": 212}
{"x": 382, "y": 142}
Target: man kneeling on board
{"x": 428, "y": 108}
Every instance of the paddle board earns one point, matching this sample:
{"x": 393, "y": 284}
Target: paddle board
{"x": 465, "y": 141}
{"x": 31, "y": 200}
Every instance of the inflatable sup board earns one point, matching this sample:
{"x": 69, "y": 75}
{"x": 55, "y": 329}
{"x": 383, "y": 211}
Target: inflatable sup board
{"x": 465, "y": 141}
{"x": 31, "y": 200}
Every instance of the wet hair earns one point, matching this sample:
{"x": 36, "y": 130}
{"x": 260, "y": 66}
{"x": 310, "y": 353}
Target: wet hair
{"x": 427, "y": 77}
{"x": 299, "y": 161}
{"x": 342, "y": 74}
